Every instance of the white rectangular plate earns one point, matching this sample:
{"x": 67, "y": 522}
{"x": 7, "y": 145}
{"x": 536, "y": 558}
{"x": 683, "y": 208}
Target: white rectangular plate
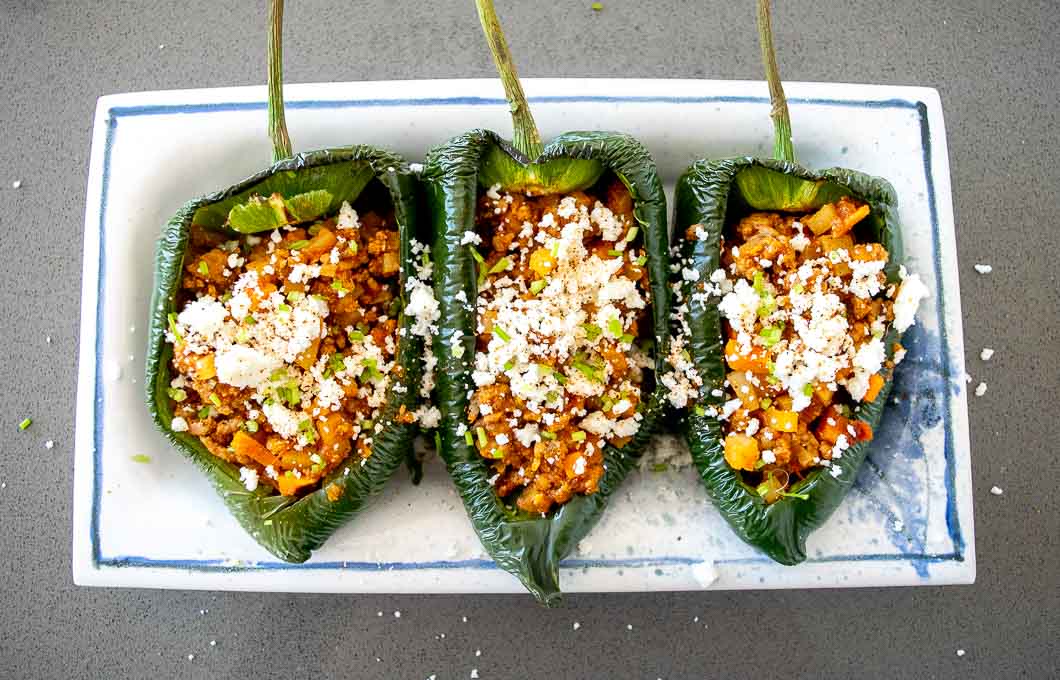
{"x": 908, "y": 520}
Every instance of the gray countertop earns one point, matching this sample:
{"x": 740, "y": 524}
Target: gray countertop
{"x": 996, "y": 67}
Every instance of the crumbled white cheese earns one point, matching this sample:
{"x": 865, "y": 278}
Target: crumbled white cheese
{"x": 980, "y": 389}
{"x": 249, "y": 478}
{"x": 179, "y": 424}
{"x": 986, "y": 354}
{"x": 983, "y": 268}
{"x": 996, "y": 490}
{"x": 908, "y": 299}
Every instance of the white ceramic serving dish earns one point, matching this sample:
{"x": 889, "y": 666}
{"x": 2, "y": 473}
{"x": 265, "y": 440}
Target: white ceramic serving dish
{"x": 907, "y": 522}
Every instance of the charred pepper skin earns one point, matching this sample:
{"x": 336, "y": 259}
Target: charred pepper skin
{"x": 704, "y": 194}
{"x": 292, "y": 527}
{"x": 530, "y": 546}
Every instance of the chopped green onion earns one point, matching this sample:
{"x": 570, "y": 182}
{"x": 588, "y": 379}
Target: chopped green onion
{"x": 641, "y": 261}
{"x": 283, "y": 307}
{"x": 807, "y": 389}
{"x": 25, "y": 423}
{"x": 659, "y": 467}
{"x": 468, "y": 438}
{"x": 597, "y": 6}
{"x": 204, "y": 268}
{"x": 356, "y": 336}
{"x": 335, "y": 363}
{"x": 578, "y": 436}
{"x": 538, "y": 286}
{"x": 242, "y": 335}
{"x": 278, "y": 374}
{"x": 227, "y": 296}
{"x": 482, "y": 441}
{"x": 800, "y": 496}
{"x": 477, "y": 255}
{"x": 797, "y": 288}
{"x": 614, "y": 326}
{"x": 771, "y": 335}
{"x": 250, "y": 320}
{"x": 314, "y": 230}
{"x": 627, "y": 338}
{"x": 509, "y": 365}
{"x": 767, "y": 306}
{"x": 216, "y": 400}
{"x": 588, "y": 370}
{"x": 592, "y": 331}
{"x": 352, "y": 247}
{"x": 765, "y": 403}
{"x": 760, "y": 284}
{"x": 502, "y": 334}
{"x": 305, "y": 425}
{"x": 296, "y": 296}
{"x": 173, "y": 326}
{"x": 177, "y": 394}
{"x": 501, "y": 265}
{"x": 615, "y": 253}
{"x": 298, "y": 245}
{"x": 140, "y": 458}
{"x": 250, "y": 426}
{"x": 759, "y": 464}
{"x": 764, "y": 488}
{"x": 497, "y": 453}
{"x": 551, "y": 396}
{"x": 548, "y": 435}
{"x": 699, "y": 411}
{"x": 336, "y": 285}
{"x": 204, "y": 412}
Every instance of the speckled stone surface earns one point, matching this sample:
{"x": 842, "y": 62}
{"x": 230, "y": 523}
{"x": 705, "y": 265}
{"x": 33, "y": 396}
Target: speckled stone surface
{"x": 996, "y": 67}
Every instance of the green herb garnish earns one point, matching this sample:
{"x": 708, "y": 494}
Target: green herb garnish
{"x": 538, "y": 286}
{"x": 501, "y": 265}
{"x": 502, "y": 334}
{"x": 140, "y": 458}
{"x": 298, "y": 245}
{"x": 25, "y": 423}
{"x": 204, "y": 268}
{"x": 176, "y": 394}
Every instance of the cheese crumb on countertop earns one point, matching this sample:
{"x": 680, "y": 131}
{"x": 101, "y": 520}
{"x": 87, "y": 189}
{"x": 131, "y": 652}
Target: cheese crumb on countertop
{"x": 986, "y": 354}
{"x": 997, "y": 490}
{"x": 983, "y": 268}
{"x": 980, "y": 389}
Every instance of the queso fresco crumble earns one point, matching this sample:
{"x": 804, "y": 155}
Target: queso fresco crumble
{"x": 284, "y": 345}
{"x": 561, "y": 300}
{"x": 806, "y": 307}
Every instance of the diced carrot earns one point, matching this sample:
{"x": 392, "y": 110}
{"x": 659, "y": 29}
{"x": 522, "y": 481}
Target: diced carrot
{"x": 830, "y": 425}
{"x": 830, "y": 243}
{"x": 863, "y": 429}
{"x": 851, "y": 221}
{"x": 822, "y": 220}
{"x": 319, "y": 245}
{"x": 745, "y": 390}
{"x": 204, "y": 367}
{"x": 289, "y": 486}
{"x": 741, "y": 451}
{"x": 246, "y": 446}
{"x": 327, "y": 269}
{"x": 309, "y": 356}
{"x": 875, "y": 385}
{"x": 756, "y": 361}
{"x": 336, "y": 433}
{"x": 542, "y": 262}
{"x": 782, "y": 421}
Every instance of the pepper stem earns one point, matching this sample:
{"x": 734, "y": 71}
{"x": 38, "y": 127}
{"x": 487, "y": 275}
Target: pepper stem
{"x": 526, "y": 138}
{"x": 782, "y": 147}
{"x": 281, "y": 142}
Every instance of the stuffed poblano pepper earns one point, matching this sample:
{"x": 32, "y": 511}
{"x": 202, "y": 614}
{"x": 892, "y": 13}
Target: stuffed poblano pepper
{"x": 792, "y": 301}
{"x": 286, "y": 334}
{"x": 550, "y": 267}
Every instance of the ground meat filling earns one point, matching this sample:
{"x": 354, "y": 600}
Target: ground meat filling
{"x": 558, "y": 373}
{"x": 284, "y": 345}
{"x": 806, "y": 305}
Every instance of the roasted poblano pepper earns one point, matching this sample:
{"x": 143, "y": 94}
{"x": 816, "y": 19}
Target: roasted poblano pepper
{"x": 291, "y": 527}
{"x": 528, "y": 546}
{"x": 712, "y": 194}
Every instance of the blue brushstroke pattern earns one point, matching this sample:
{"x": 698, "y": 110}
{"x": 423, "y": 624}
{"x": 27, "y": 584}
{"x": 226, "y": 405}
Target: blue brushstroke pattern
{"x": 894, "y": 477}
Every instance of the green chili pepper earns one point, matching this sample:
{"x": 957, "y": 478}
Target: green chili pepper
{"x": 704, "y": 194}
{"x": 529, "y": 546}
{"x": 314, "y": 184}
